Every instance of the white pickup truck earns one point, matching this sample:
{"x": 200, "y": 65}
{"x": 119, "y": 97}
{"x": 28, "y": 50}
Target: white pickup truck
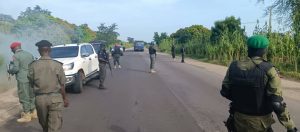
{"x": 80, "y": 63}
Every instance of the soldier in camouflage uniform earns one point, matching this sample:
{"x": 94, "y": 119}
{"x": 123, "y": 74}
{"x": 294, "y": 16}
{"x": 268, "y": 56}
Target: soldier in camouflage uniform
{"x": 48, "y": 79}
{"x": 116, "y": 54}
{"x": 103, "y": 59}
{"x": 254, "y": 87}
{"x": 152, "y": 53}
{"x": 19, "y": 67}
{"x": 182, "y": 51}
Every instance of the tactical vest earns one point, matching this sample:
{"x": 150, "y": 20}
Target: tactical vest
{"x": 249, "y": 89}
{"x": 102, "y": 55}
{"x": 152, "y": 51}
{"x": 117, "y": 50}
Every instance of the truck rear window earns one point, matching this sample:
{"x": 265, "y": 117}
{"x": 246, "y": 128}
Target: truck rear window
{"x": 64, "y": 52}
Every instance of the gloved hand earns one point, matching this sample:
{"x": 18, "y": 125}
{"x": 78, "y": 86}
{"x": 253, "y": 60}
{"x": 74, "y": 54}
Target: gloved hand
{"x": 293, "y": 130}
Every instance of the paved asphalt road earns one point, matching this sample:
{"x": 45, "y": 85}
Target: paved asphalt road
{"x": 178, "y": 98}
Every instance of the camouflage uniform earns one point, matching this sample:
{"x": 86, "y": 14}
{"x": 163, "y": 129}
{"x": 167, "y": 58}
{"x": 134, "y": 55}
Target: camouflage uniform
{"x": 182, "y": 51}
{"x": 254, "y": 87}
{"x": 103, "y": 59}
{"x": 19, "y": 67}
{"x": 47, "y": 76}
{"x": 152, "y": 53}
{"x": 249, "y": 123}
{"x": 173, "y": 51}
{"x": 117, "y": 53}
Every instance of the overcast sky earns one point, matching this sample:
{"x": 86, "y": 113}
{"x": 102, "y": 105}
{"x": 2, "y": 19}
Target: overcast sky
{"x": 141, "y": 18}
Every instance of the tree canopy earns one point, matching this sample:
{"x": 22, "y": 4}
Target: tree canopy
{"x": 184, "y": 35}
{"x": 228, "y": 26}
{"x": 37, "y": 23}
{"x": 108, "y": 33}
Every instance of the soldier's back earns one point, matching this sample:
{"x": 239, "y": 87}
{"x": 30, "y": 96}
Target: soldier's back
{"x": 46, "y": 73}
{"x": 24, "y": 58}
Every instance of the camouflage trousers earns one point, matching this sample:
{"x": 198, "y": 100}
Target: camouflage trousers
{"x": 116, "y": 59}
{"x": 26, "y": 97}
{"x": 49, "y": 109}
{"x": 152, "y": 61}
{"x": 102, "y": 72}
{"x": 246, "y": 123}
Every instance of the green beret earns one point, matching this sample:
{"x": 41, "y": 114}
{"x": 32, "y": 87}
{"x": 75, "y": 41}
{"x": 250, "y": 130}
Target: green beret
{"x": 258, "y": 42}
{"x": 43, "y": 43}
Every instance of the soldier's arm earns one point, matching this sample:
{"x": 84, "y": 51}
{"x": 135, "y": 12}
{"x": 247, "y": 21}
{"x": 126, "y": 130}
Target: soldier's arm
{"x": 107, "y": 56}
{"x": 14, "y": 66}
{"x": 274, "y": 91}
{"x": 225, "y": 91}
{"x": 31, "y": 75}
{"x": 62, "y": 81}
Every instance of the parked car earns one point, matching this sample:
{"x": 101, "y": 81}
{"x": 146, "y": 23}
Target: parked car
{"x": 80, "y": 63}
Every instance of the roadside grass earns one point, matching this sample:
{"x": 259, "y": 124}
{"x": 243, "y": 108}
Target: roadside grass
{"x": 295, "y": 76}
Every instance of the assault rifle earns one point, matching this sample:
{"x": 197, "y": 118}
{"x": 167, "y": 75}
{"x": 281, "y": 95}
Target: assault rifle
{"x": 109, "y": 65}
{"x": 229, "y": 123}
{"x": 8, "y": 74}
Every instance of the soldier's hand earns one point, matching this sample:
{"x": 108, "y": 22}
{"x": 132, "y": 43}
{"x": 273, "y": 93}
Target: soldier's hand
{"x": 66, "y": 102}
{"x": 292, "y": 130}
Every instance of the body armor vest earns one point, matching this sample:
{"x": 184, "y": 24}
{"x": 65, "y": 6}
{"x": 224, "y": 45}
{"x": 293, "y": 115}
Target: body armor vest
{"x": 102, "y": 55}
{"x": 249, "y": 89}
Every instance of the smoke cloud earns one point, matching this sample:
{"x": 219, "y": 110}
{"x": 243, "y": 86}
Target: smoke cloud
{"x": 28, "y": 38}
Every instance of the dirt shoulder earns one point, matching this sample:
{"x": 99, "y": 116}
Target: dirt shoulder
{"x": 10, "y": 105}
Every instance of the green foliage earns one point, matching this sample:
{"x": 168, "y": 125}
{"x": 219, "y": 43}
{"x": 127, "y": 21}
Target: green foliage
{"x": 108, "y": 33}
{"x": 228, "y": 26}
{"x": 158, "y": 38}
{"x": 228, "y": 44}
{"x": 82, "y": 34}
{"x": 36, "y": 23}
{"x": 194, "y": 32}
{"x": 165, "y": 45}
{"x": 127, "y": 45}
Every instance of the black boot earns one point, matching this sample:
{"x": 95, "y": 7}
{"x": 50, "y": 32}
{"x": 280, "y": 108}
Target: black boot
{"x": 101, "y": 86}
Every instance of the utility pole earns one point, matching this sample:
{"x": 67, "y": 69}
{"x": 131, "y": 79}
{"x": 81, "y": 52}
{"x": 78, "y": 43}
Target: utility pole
{"x": 270, "y": 21}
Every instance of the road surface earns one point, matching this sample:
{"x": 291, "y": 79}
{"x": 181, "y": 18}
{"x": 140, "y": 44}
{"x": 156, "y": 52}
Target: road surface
{"x": 178, "y": 98}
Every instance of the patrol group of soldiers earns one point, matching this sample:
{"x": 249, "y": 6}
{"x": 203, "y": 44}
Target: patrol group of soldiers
{"x": 252, "y": 85}
{"x": 182, "y": 52}
{"x": 103, "y": 58}
{"x": 41, "y": 86}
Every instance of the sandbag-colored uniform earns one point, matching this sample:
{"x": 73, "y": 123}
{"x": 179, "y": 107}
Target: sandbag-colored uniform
{"x": 47, "y": 76}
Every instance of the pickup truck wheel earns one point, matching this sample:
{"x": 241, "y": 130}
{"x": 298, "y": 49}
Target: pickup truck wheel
{"x": 78, "y": 85}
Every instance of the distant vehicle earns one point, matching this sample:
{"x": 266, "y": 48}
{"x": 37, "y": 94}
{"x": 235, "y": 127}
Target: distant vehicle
{"x": 139, "y": 46}
{"x": 80, "y": 63}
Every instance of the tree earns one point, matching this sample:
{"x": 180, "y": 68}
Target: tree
{"x": 229, "y": 25}
{"x": 6, "y": 18}
{"x": 194, "y": 32}
{"x": 158, "y": 38}
{"x": 289, "y": 12}
{"x": 107, "y": 33}
{"x": 130, "y": 40}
